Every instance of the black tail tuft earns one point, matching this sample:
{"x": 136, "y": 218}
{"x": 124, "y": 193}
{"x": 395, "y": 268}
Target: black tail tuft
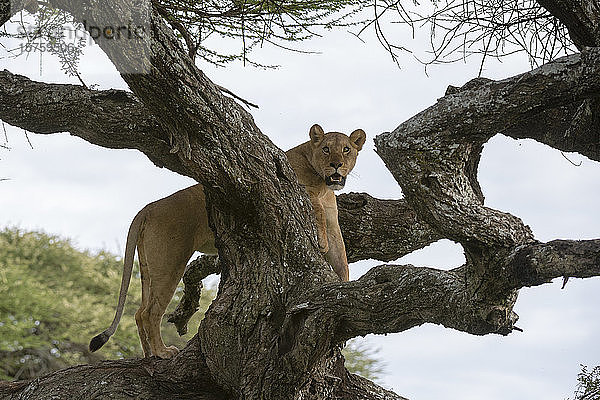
{"x": 98, "y": 341}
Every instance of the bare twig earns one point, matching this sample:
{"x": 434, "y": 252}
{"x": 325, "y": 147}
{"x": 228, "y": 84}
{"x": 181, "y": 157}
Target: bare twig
{"x": 229, "y": 92}
{"x": 5, "y": 134}
{"x": 567, "y": 158}
{"x": 27, "y": 137}
{"x": 474, "y": 27}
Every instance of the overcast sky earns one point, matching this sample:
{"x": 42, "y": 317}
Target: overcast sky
{"x": 65, "y": 186}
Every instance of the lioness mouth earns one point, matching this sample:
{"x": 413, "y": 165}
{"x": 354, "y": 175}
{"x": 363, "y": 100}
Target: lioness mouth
{"x": 335, "y": 180}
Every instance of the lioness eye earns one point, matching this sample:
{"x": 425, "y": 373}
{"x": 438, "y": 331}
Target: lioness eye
{"x": 326, "y": 150}
{"x": 346, "y": 149}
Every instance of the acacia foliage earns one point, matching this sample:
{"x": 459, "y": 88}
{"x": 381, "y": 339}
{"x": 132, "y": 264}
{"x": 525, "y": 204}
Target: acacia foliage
{"x": 222, "y": 31}
{"x": 588, "y": 383}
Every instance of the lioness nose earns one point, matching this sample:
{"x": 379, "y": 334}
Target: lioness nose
{"x": 335, "y": 165}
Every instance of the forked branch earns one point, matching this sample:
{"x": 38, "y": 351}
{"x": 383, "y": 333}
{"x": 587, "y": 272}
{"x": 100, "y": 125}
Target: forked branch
{"x": 395, "y": 298}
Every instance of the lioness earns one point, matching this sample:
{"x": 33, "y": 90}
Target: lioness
{"x": 168, "y": 231}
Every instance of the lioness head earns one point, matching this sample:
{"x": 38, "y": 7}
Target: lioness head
{"x": 334, "y": 154}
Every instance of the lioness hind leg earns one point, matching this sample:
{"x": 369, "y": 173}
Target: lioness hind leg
{"x": 138, "y": 315}
{"x": 166, "y": 243}
{"x": 142, "y": 332}
{"x": 152, "y": 316}
{"x": 166, "y": 261}
{"x": 159, "y": 296}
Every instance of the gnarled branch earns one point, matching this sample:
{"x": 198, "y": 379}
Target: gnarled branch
{"x": 539, "y": 263}
{"x": 108, "y": 118}
{"x": 394, "y": 298}
{"x": 279, "y": 314}
{"x": 384, "y": 230}
{"x": 195, "y": 271}
{"x": 185, "y": 376}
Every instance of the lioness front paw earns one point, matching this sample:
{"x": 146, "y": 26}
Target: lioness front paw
{"x": 167, "y": 352}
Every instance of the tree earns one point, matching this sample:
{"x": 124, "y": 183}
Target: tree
{"x": 588, "y": 386}
{"x": 275, "y": 328}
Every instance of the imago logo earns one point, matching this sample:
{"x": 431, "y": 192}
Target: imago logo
{"x": 120, "y": 32}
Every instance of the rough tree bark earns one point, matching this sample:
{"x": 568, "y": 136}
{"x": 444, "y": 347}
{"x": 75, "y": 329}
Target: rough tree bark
{"x": 280, "y": 315}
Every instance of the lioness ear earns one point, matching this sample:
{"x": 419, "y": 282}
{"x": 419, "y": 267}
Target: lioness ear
{"x": 316, "y": 134}
{"x": 358, "y": 138}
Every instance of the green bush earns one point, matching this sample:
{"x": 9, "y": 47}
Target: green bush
{"x": 54, "y": 299}
{"x": 588, "y": 384}
{"x": 362, "y": 360}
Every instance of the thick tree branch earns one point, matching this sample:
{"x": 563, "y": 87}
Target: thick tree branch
{"x": 541, "y": 262}
{"x": 574, "y": 127}
{"x": 184, "y": 377}
{"x": 580, "y": 122}
{"x": 384, "y": 230}
{"x": 392, "y": 299}
{"x": 395, "y": 298}
{"x": 433, "y": 154}
{"x": 108, "y": 118}
{"x": 582, "y": 19}
{"x": 485, "y": 107}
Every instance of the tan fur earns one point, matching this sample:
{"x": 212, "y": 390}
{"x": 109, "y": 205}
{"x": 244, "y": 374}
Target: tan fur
{"x": 168, "y": 231}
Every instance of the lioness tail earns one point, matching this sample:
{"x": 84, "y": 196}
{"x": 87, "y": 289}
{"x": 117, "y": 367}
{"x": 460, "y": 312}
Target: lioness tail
{"x": 132, "y": 238}
{"x": 98, "y": 341}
